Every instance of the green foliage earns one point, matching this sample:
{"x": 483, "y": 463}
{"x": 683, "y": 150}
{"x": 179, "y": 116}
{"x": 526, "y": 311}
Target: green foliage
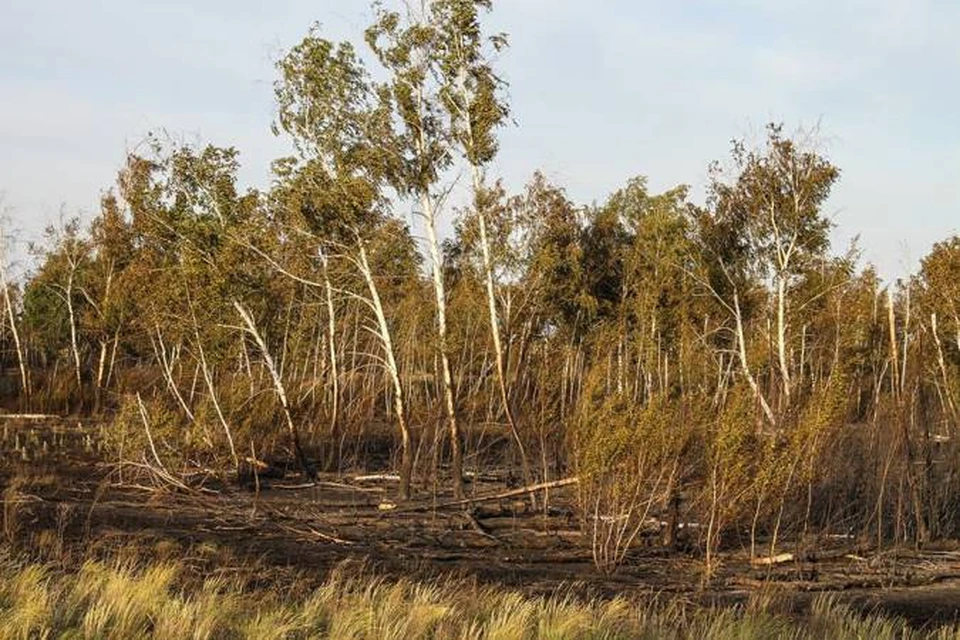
{"x": 773, "y": 205}
{"x": 553, "y": 256}
{"x": 734, "y": 451}
{"x": 615, "y": 434}
{"x": 938, "y": 290}
{"x": 45, "y": 318}
{"x": 128, "y": 436}
{"x": 472, "y": 91}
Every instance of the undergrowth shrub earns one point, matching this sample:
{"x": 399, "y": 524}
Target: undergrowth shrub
{"x": 629, "y": 460}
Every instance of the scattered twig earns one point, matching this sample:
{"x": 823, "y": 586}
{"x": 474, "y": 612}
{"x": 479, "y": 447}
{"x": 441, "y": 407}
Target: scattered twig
{"x": 22, "y": 498}
{"x": 164, "y": 476}
{"x": 146, "y": 427}
{"x": 477, "y": 527}
{"x": 495, "y": 496}
{"x": 310, "y": 532}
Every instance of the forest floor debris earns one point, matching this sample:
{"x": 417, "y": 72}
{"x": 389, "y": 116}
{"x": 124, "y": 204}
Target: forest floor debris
{"x": 71, "y": 503}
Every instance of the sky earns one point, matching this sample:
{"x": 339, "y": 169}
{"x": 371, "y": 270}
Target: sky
{"x": 600, "y": 91}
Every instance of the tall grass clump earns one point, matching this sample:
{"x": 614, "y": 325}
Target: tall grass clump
{"x": 127, "y": 599}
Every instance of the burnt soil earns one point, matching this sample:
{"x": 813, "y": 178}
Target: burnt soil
{"x": 62, "y": 499}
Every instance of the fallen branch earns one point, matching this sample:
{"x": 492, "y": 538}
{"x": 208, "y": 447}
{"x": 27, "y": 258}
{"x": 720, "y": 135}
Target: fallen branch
{"x": 310, "y": 532}
{"x": 146, "y": 427}
{"x": 543, "y": 486}
{"x": 379, "y": 477}
{"x": 781, "y": 558}
{"x": 22, "y": 498}
{"x": 575, "y": 534}
{"x": 477, "y": 527}
{"x": 810, "y": 556}
{"x": 161, "y": 475}
{"x": 28, "y": 416}
{"x": 341, "y": 485}
{"x": 128, "y": 485}
{"x": 294, "y": 487}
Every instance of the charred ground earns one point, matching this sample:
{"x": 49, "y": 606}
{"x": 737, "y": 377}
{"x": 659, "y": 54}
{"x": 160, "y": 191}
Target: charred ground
{"x": 64, "y": 502}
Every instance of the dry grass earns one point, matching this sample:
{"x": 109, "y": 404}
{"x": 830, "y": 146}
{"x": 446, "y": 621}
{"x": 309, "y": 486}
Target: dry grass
{"x": 126, "y": 599}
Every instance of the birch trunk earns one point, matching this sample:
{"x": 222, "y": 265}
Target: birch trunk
{"x": 167, "y": 366}
{"x": 11, "y": 315}
{"x": 334, "y": 365}
{"x": 495, "y": 328}
{"x": 947, "y": 391}
{"x": 894, "y": 351}
{"x": 744, "y": 364}
{"x": 782, "y": 335}
{"x": 208, "y": 380}
{"x": 462, "y": 113}
{"x": 73, "y": 328}
{"x": 251, "y": 328}
{"x": 399, "y": 405}
{"x": 449, "y": 399}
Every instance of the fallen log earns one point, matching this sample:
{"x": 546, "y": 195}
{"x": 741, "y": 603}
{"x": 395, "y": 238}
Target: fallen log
{"x": 555, "y": 484}
{"x": 341, "y": 485}
{"x": 780, "y": 558}
{"x": 295, "y": 487}
{"x": 378, "y": 477}
{"x": 810, "y": 556}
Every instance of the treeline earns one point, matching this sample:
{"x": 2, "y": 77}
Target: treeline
{"x": 713, "y": 363}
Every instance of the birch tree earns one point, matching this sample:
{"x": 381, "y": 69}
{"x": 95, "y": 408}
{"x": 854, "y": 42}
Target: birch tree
{"x": 938, "y": 285}
{"x": 392, "y": 368}
{"x": 472, "y": 97}
{"x": 65, "y": 256}
{"x": 408, "y": 49}
{"x": 11, "y": 314}
{"x": 777, "y": 197}
{"x": 250, "y": 327}
{"x": 340, "y": 122}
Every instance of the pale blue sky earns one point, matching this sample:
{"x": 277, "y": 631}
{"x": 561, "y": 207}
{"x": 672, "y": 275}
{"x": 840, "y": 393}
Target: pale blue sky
{"x": 601, "y": 90}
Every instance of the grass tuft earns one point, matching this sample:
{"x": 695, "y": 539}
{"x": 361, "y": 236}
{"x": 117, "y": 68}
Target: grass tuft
{"x": 127, "y": 598}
